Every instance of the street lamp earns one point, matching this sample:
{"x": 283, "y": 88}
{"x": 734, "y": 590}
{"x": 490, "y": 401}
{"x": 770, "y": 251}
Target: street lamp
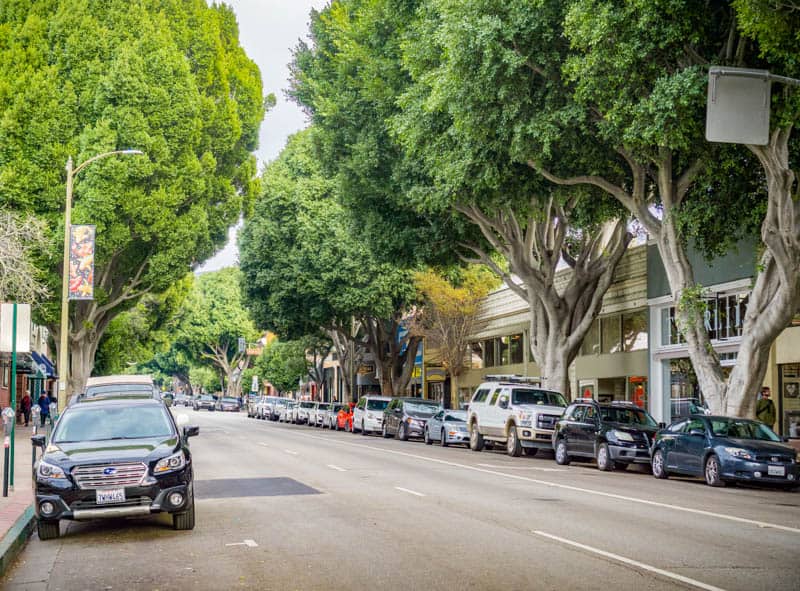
{"x": 62, "y": 353}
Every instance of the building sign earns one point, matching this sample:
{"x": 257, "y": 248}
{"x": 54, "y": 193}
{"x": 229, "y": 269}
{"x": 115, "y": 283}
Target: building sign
{"x": 81, "y": 262}
{"x": 435, "y": 374}
{"x": 366, "y": 369}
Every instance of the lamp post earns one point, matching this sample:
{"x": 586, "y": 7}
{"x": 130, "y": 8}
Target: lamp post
{"x": 63, "y": 356}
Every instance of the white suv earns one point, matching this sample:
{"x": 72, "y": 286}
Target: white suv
{"x": 368, "y": 414}
{"x": 514, "y": 413}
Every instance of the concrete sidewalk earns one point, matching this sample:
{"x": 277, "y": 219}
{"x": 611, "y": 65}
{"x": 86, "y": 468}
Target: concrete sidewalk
{"x": 16, "y": 511}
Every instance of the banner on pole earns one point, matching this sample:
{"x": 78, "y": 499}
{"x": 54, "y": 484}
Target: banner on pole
{"x": 23, "y": 327}
{"x": 81, "y": 262}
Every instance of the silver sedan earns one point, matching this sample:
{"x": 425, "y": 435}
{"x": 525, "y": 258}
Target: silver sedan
{"x": 447, "y": 426}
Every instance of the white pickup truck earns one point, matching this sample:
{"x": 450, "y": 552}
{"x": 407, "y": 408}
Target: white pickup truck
{"x": 516, "y": 414}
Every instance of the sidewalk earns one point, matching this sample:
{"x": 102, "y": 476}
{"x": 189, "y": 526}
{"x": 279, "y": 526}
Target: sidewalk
{"x": 16, "y": 512}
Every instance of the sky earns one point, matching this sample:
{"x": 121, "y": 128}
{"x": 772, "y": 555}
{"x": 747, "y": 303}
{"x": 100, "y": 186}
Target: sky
{"x": 268, "y": 31}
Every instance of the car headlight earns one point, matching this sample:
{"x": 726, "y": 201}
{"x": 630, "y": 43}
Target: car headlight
{"x": 738, "y": 452}
{"x": 174, "y": 462}
{"x": 47, "y": 470}
{"x": 623, "y": 436}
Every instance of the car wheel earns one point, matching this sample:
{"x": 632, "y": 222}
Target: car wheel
{"x": 402, "y": 432}
{"x": 428, "y": 440}
{"x": 658, "y": 465}
{"x": 48, "y": 530}
{"x": 604, "y": 461}
{"x": 443, "y": 440}
{"x": 476, "y": 442}
{"x": 363, "y": 430}
{"x": 530, "y": 451}
{"x": 713, "y": 472}
{"x": 562, "y": 455}
{"x": 185, "y": 519}
{"x": 513, "y": 446}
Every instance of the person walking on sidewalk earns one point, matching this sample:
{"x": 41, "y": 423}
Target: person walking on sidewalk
{"x": 25, "y": 403}
{"x": 765, "y": 408}
{"x": 44, "y": 404}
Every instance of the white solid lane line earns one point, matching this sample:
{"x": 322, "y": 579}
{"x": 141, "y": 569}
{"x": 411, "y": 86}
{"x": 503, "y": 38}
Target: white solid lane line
{"x": 630, "y": 562}
{"x": 337, "y": 468}
{"x": 264, "y": 444}
{"x": 579, "y": 489}
{"x": 289, "y": 451}
{"x": 409, "y": 491}
{"x": 524, "y": 468}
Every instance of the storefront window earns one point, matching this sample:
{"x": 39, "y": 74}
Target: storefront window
{"x": 488, "y": 353}
{"x": 504, "y": 350}
{"x": 610, "y": 335}
{"x": 634, "y": 331}
{"x": 476, "y": 356}
{"x": 790, "y": 399}
{"x": 591, "y": 342}
{"x": 515, "y": 344}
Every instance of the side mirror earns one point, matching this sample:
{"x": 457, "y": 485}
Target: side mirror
{"x": 697, "y": 433}
{"x": 503, "y": 402}
{"x": 39, "y": 441}
{"x": 191, "y": 431}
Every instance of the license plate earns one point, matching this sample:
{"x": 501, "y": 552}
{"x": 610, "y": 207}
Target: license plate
{"x": 776, "y": 470}
{"x": 111, "y": 495}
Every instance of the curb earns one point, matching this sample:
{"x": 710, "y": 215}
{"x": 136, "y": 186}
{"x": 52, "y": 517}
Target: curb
{"x": 14, "y": 540}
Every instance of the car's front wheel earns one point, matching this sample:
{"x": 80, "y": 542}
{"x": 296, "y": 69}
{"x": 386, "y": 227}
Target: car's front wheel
{"x": 658, "y": 465}
{"x": 604, "y": 461}
{"x": 363, "y": 430}
{"x": 48, "y": 530}
{"x": 513, "y": 445}
{"x": 562, "y": 455}
{"x": 443, "y": 440}
{"x": 428, "y": 440}
{"x": 713, "y": 472}
{"x": 402, "y": 432}
{"x": 476, "y": 442}
{"x": 185, "y": 519}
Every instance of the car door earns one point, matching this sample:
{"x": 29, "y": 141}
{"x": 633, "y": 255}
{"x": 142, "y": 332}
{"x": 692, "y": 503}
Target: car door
{"x": 566, "y": 426}
{"x": 434, "y": 425}
{"x": 693, "y": 445}
{"x": 489, "y": 417}
{"x": 358, "y": 413}
{"x": 586, "y": 431}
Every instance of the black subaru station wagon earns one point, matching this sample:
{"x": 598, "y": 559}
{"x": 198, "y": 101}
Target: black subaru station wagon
{"x": 114, "y": 457}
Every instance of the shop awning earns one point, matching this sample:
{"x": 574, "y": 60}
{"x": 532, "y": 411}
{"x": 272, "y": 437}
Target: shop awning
{"x": 44, "y": 364}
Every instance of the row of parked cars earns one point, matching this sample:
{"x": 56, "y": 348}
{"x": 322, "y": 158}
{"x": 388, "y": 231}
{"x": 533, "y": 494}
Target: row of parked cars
{"x": 516, "y": 415}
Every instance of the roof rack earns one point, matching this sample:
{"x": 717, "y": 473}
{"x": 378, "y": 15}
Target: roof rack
{"x": 514, "y": 379}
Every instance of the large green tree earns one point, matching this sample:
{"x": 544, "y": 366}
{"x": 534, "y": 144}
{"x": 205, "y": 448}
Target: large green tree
{"x": 167, "y": 77}
{"x": 283, "y": 364}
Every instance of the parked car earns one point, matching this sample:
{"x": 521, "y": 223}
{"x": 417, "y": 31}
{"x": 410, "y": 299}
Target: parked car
{"x": 304, "y": 411}
{"x": 368, "y": 414}
{"x": 285, "y": 412}
{"x": 615, "y": 435}
{"x": 725, "y": 449}
{"x": 204, "y": 401}
{"x": 447, "y": 427}
{"x": 407, "y": 417}
{"x": 113, "y": 458}
{"x": 264, "y": 407}
{"x": 182, "y": 399}
{"x": 344, "y": 418}
{"x": 514, "y": 413}
{"x": 228, "y": 404}
{"x": 320, "y": 413}
{"x": 252, "y": 405}
{"x": 276, "y": 407}
{"x": 331, "y": 414}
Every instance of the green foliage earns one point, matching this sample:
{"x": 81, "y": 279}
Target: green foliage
{"x": 283, "y": 364}
{"x": 206, "y": 378}
{"x": 165, "y": 76}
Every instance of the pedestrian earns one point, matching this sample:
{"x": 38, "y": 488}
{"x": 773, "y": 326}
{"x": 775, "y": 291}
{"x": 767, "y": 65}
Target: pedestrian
{"x": 765, "y": 408}
{"x": 44, "y": 405}
{"x": 25, "y": 404}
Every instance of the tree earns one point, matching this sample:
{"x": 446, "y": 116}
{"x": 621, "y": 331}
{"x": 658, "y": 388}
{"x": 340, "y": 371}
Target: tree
{"x": 20, "y": 238}
{"x": 448, "y": 316}
{"x": 168, "y": 78}
{"x": 210, "y": 324}
{"x": 307, "y": 268}
{"x": 283, "y": 364}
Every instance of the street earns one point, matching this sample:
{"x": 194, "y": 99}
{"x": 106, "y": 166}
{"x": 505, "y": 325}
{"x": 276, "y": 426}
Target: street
{"x": 292, "y": 507}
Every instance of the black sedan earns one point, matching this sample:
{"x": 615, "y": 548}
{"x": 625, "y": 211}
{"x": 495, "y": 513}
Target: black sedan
{"x": 725, "y": 449}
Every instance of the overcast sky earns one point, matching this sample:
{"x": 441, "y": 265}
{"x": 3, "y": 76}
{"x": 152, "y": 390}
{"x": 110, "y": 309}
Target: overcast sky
{"x": 268, "y": 31}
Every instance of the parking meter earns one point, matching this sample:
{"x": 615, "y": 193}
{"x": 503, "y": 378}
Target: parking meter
{"x": 53, "y": 408}
{"x": 36, "y": 414}
{"x": 8, "y": 419}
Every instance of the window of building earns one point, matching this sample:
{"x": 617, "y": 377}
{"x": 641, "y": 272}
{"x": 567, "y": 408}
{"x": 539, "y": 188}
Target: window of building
{"x": 634, "y": 331}
{"x": 488, "y": 353}
{"x": 476, "y": 356}
{"x": 591, "y": 342}
{"x": 515, "y": 348}
{"x": 503, "y": 350}
{"x": 610, "y": 334}
{"x": 6, "y": 378}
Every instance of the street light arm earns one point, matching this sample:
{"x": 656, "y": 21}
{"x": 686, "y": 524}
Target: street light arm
{"x": 104, "y": 155}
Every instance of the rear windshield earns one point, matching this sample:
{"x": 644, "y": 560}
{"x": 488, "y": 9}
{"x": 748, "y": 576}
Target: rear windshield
{"x": 377, "y": 404}
{"x": 206, "y": 397}
{"x": 742, "y": 429}
{"x": 231, "y": 400}
{"x": 119, "y": 389}
{"x": 85, "y": 423}
{"x": 420, "y": 408}
{"x": 530, "y": 396}
{"x": 626, "y": 416}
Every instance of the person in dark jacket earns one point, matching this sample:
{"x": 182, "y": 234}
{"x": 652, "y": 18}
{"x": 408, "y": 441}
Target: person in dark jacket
{"x": 25, "y": 405}
{"x": 765, "y": 408}
{"x": 44, "y": 405}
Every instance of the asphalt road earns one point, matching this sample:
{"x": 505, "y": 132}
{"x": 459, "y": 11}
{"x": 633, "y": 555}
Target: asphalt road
{"x": 290, "y": 507}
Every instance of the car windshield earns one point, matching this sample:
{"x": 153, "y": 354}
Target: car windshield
{"x": 306, "y": 405}
{"x": 207, "y": 397}
{"x": 86, "y": 423}
{"x": 377, "y": 404}
{"x": 456, "y": 417}
{"x": 530, "y": 396}
{"x": 420, "y": 408}
{"x": 742, "y": 429}
{"x": 324, "y": 406}
{"x": 627, "y": 416}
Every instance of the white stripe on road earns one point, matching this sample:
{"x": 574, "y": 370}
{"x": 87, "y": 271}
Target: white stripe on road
{"x": 409, "y": 491}
{"x": 579, "y": 489}
{"x": 337, "y": 468}
{"x": 524, "y": 468}
{"x": 264, "y": 444}
{"x": 630, "y": 562}
{"x": 289, "y": 451}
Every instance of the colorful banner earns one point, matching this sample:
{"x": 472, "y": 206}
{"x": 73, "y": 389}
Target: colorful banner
{"x": 81, "y": 262}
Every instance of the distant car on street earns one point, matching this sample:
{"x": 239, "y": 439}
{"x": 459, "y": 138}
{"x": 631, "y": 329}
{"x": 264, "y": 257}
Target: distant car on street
{"x": 182, "y": 399}
{"x": 407, "y": 417}
{"x": 285, "y": 412}
{"x": 320, "y": 413}
{"x": 368, "y": 414}
{"x": 114, "y": 458}
{"x": 228, "y": 404}
{"x": 204, "y": 401}
{"x": 330, "y": 416}
{"x": 447, "y": 427}
{"x": 304, "y": 410}
{"x": 723, "y": 450}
